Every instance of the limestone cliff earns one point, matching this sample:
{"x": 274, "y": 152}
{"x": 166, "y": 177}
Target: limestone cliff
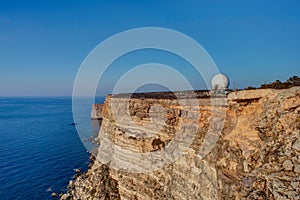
{"x": 96, "y": 112}
{"x": 256, "y": 154}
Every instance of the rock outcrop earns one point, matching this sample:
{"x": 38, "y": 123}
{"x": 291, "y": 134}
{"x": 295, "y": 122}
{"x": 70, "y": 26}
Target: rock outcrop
{"x": 255, "y": 154}
{"x": 96, "y": 112}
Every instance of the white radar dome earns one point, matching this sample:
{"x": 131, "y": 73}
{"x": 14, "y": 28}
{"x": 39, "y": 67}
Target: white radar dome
{"x": 220, "y": 82}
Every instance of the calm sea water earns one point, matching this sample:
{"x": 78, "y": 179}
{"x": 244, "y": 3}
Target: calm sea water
{"x": 39, "y": 146}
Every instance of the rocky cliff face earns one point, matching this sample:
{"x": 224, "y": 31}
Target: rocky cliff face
{"x": 96, "y": 112}
{"x": 254, "y": 154}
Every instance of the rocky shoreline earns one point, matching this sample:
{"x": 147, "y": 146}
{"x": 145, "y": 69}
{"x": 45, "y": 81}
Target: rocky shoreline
{"x": 257, "y": 155}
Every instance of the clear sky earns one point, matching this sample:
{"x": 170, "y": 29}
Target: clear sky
{"x": 43, "y": 43}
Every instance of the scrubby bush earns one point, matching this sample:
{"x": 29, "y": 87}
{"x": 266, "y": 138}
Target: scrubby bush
{"x": 291, "y": 82}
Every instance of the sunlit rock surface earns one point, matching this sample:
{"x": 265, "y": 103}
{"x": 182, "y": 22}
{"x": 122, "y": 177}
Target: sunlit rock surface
{"x": 256, "y": 154}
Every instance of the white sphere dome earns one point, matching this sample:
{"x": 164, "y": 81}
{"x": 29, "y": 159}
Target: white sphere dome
{"x": 220, "y": 81}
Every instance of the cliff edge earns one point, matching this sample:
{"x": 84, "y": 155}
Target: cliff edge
{"x": 256, "y": 155}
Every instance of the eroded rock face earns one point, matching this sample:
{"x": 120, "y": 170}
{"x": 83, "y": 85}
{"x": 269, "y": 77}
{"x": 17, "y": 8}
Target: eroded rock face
{"x": 96, "y": 112}
{"x": 256, "y": 156}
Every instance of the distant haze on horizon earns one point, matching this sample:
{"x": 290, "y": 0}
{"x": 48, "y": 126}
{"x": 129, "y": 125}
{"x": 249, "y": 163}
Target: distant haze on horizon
{"x": 43, "y": 43}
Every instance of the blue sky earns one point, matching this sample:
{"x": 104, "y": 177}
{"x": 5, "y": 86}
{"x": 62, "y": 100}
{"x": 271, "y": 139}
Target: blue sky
{"x": 43, "y": 43}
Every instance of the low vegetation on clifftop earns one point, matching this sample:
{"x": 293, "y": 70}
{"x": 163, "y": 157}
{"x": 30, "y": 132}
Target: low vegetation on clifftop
{"x": 291, "y": 82}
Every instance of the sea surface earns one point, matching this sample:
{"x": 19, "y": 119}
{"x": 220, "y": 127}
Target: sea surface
{"x": 39, "y": 146}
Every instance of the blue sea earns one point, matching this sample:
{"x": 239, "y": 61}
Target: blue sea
{"x": 39, "y": 146}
